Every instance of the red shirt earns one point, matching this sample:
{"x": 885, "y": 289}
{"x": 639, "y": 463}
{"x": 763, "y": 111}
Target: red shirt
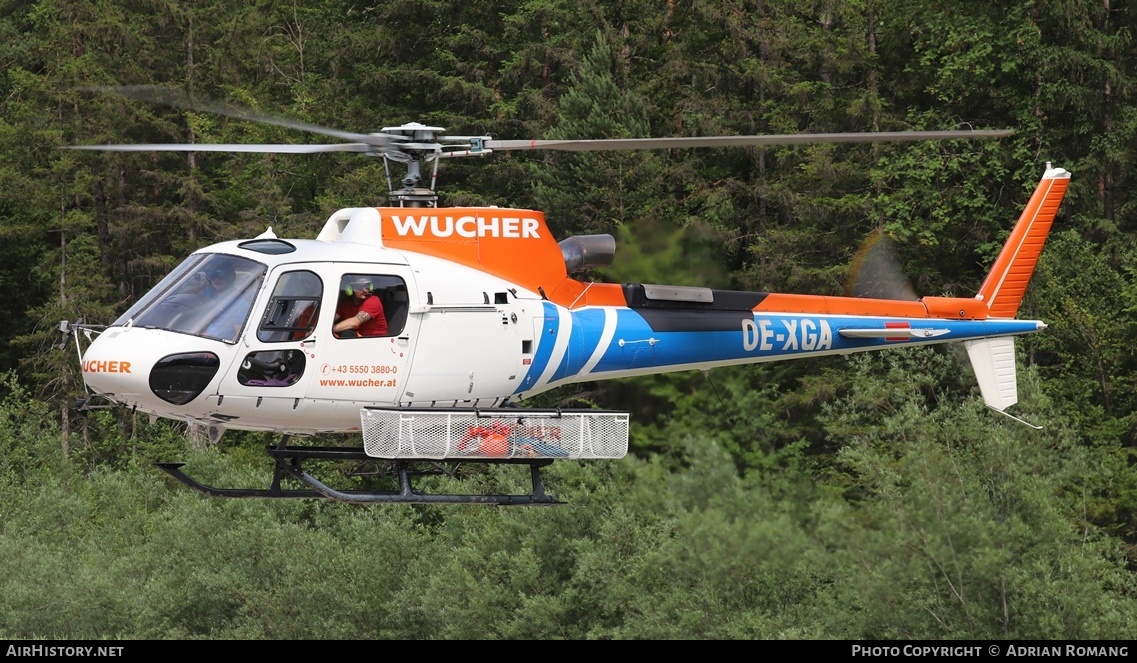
{"x": 376, "y": 326}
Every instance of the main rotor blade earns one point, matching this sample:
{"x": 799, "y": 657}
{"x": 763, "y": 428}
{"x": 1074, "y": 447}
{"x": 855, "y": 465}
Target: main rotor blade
{"x": 178, "y": 99}
{"x": 220, "y": 147}
{"x": 737, "y": 141}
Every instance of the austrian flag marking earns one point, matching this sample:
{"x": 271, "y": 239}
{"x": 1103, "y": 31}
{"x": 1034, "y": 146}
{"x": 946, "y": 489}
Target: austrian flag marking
{"x": 897, "y": 325}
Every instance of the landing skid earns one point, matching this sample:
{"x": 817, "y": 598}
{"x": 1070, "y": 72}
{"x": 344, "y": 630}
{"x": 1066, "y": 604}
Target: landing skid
{"x": 289, "y": 459}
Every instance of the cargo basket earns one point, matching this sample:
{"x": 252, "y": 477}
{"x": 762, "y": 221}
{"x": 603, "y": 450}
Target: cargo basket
{"x": 504, "y": 433}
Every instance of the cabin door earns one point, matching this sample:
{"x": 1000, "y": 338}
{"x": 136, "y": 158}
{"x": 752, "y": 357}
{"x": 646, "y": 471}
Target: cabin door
{"x": 361, "y": 367}
{"x": 275, "y": 361}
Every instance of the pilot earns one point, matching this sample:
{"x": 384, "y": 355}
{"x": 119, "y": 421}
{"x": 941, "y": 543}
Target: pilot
{"x": 359, "y": 312}
{"x": 218, "y": 280}
{"x": 229, "y": 306}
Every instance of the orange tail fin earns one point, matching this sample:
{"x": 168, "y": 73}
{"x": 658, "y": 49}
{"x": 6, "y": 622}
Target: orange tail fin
{"x": 1005, "y": 286}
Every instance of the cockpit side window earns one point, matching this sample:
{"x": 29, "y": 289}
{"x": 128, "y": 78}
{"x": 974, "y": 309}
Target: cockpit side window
{"x": 293, "y": 309}
{"x": 187, "y": 267}
{"x": 212, "y": 298}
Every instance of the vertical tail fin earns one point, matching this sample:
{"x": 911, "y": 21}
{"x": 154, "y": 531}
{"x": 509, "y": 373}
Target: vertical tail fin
{"x": 993, "y": 359}
{"x": 1005, "y": 286}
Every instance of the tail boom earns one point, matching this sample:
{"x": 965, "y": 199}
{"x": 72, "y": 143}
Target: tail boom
{"x": 609, "y": 330}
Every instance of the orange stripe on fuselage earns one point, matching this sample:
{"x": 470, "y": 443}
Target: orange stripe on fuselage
{"x": 953, "y": 308}
{"x": 1004, "y": 287}
{"x": 574, "y": 294}
{"x": 512, "y": 244}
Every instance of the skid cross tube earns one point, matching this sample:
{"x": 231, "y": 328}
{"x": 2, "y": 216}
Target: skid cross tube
{"x": 288, "y": 462}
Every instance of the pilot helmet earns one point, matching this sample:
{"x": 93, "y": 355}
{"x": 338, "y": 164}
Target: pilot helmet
{"x": 355, "y": 284}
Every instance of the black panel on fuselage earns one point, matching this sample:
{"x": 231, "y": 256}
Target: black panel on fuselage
{"x": 725, "y": 312}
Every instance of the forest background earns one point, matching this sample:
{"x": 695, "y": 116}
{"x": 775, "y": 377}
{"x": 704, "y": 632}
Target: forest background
{"x": 869, "y": 497}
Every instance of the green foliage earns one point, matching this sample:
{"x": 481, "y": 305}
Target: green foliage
{"x": 965, "y": 528}
{"x": 939, "y": 527}
{"x": 597, "y": 192}
{"x": 27, "y": 433}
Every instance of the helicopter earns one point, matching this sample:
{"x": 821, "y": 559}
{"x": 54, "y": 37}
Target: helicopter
{"x": 483, "y": 310}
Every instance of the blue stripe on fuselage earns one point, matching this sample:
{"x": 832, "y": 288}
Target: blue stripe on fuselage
{"x": 635, "y": 345}
{"x": 587, "y": 328}
{"x": 547, "y": 339}
{"x": 774, "y": 336}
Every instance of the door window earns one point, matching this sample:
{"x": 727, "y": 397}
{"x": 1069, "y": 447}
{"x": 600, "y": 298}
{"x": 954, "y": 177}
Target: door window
{"x": 272, "y": 368}
{"x": 290, "y": 315}
{"x": 370, "y": 305}
{"x": 292, "y": 311}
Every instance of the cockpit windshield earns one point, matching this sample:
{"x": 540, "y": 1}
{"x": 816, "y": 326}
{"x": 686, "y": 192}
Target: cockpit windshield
{"x": 208, "y": 295}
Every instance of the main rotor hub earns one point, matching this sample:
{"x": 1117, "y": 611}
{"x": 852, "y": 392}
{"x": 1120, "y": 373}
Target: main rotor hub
{"x": 414, "y": 143}
{"x": 412, "y": 131}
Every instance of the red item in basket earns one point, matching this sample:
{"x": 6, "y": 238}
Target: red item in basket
{"x": 495, "y": 444}
{"x": 492, "y": 440}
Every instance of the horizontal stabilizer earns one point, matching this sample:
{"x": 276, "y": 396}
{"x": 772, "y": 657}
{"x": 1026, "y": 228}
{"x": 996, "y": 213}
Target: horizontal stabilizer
{"x": 993, "y": 360}
{"x": 896, "y": 333}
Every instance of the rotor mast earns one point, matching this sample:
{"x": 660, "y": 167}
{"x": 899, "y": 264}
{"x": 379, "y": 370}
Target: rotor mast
{"x": 414, "y": 144}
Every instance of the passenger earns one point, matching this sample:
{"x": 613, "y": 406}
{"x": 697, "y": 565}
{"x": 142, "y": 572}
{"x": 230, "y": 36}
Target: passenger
{"x": 359, "y": 312}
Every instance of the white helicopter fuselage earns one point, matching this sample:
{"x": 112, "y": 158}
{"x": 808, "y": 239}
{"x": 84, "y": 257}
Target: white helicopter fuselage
{"x": 481, "y": 311}
{"x": 457, "y": 336}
